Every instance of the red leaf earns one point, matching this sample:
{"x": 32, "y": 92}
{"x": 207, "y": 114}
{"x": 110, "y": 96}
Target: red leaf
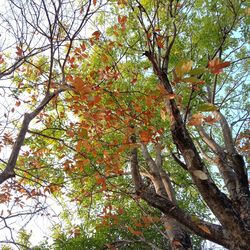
{"x": 159, "y": 42}
{"x": 1, "y": 59}
{"x": 122, "y": 20}
{"x": 83, "y": 46}
{"x": 136, "y": 232}
{"x": 216, "y": 65}
{"x": 120, "y": 211}
{"x": 97, "y": 35}
{"x": 134, "y": 81}
{"x": 216, "y": 71}
{"x": 101, "y": 180}
{"x": 222, "y": 65}
{"x": 19, "y": 51}
{"x": 71, "y": 60}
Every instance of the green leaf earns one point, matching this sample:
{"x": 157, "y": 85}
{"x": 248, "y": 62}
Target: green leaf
{"x": 183, "y": 67}
{"x": 197, "y": 71}
{"x": 193, "y": 80}
{"x": 206, "y": 107}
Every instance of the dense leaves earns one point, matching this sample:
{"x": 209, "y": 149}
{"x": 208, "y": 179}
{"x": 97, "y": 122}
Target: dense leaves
{"x": 134, "y": 118}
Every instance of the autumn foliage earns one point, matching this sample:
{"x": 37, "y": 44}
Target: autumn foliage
{"x": 133, "y": 115}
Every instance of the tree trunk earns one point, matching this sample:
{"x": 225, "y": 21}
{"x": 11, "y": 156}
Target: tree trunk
{"x": 175, "y": 232}
{"x": 177, "y": 236}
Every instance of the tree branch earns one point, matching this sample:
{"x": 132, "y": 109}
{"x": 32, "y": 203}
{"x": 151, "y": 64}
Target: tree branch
{"x": 8, "y": 172}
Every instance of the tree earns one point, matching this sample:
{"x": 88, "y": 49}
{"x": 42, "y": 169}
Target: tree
{"x": 146, "y": 110}
{"x": 36, "y": 38}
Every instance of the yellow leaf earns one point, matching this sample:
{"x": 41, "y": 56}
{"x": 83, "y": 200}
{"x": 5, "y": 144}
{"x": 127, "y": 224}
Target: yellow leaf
{"x": 247, "y": 11}
{"x": 183, "y": 67}
{"x": 200, "y": 174}
{"x": 163, "y": 115}
{"x": 104, "y": 58}
{"x": 171, "y": 96}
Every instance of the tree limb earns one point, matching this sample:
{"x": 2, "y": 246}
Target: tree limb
{"x": 8, "y": 172}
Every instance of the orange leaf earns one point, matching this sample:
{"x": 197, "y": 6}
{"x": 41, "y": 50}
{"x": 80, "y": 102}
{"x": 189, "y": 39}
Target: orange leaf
{"x": 133, "y": 231}
{"x": 78, "y": 82}
{"x": 94, "y": 2}
{"x": 149, "y": 35}
{"x": 136, "y": 232}
{"x": 176, "y": 243}
{"x": 210, "y": 120}
{"x": 79, "y": 146}
{"x": 70, "y": 133}
{"x": 53, "y": 188}
{"x": 79, "y": 85}
{"x": 168, "y": 227}
{"x": 101, "y": 180}
{"x": 18, "y": 103}
{"x": 171, "y": 96}
{"x": 213, "y": 62}
{"x": 137, "y": 108}
{"x": 77, "y": 51}
{"x": 204, "y": 228}
{"x": 196, "y": 120}
{"x": 3, "y": 198}
{"x": 162, "y": 89}
{"x": 216, "y": 71}
{"x": 147, "y": 219}
{"x": 145, "y": 136}
{"x": 122, "y": 2}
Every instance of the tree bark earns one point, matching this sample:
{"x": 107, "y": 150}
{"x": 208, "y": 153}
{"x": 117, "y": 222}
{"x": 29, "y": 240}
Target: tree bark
{"x": 233, "y": 218}
{"x": 179, "y": 239}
